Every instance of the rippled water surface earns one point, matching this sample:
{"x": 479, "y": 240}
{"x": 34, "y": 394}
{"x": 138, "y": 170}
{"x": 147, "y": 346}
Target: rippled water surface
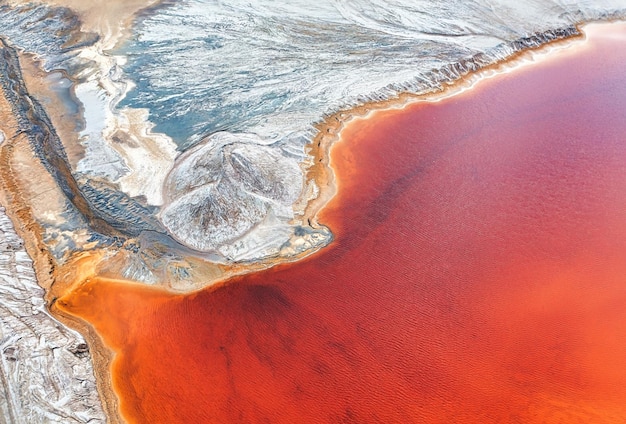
{"x": 472, "y": 268}
{"x": 478, "y": 275}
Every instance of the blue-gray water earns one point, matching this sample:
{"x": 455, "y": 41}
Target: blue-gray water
{"x": 274, "y": 68}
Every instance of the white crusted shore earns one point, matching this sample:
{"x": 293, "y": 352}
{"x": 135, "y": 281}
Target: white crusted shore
{"x": 46, "y": 375}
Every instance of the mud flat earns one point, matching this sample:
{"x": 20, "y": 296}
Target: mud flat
{"x": 477, "y": 273}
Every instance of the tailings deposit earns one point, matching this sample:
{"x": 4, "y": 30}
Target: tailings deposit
{"x": 478, "y": 274}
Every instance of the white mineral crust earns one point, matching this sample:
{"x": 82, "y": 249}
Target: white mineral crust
{"x": 229, "y": 187}
{"x": 46, "y": 375}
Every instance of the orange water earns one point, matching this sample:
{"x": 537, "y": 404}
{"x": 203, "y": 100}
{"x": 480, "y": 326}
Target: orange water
{"x": 478, "y": 276}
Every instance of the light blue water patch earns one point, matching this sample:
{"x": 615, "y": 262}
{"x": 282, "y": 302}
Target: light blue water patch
{"x": 61, "y": 86}
{"x": 274, "y": 67}
{"x": 206, "y": 67}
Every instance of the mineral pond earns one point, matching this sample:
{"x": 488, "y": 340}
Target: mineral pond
{"x": 283, "y": 212}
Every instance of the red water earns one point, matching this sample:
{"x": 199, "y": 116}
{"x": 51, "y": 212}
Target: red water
{"x": 478, "y": 276}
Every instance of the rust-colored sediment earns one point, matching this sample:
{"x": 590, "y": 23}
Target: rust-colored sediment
{"x": 26, "y": 188}
{"x": 478, "y": 275}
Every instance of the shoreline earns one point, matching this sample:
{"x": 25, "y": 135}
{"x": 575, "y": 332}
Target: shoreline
{"x": 291, "y": 300}
{"x": 30, "y": 231}
{"x": 329, "y": 130}
{"x": 319, "y": 173}
{"x": 20, "y": 212}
